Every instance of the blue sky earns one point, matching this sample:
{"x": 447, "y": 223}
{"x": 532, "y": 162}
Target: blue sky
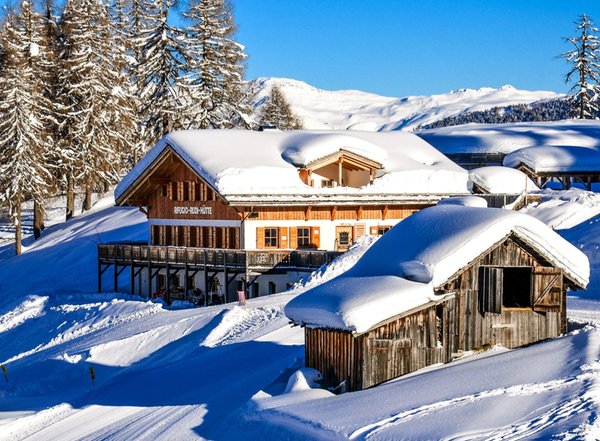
{"x": 410, "y": 47}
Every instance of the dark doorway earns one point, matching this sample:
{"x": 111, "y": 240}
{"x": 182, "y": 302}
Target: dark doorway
{"x": 516, "y": 287}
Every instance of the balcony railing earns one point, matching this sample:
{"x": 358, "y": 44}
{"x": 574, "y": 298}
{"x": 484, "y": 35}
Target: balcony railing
{"x": 140, "y": 254}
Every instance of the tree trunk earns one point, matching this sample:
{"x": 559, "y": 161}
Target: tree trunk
{"x": 18, "y": 230}
{"x": 38, "y": 219}
{"x": 87, "y": 202}
{"x": 70, "y": 197}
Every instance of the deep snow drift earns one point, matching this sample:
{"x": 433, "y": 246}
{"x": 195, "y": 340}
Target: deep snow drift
{"x": 221, "y": 372}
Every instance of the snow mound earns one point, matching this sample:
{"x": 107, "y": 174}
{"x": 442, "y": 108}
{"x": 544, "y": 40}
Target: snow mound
{"x": 555, "y": 159}
{"x": 496, "y": 179}
{"x": 314, "y": 147}
{"x": 562, "y": 210}
{"x": 303, "y": 379}
{"x": 32, "y": 307}
{"x": 466, "y": 201}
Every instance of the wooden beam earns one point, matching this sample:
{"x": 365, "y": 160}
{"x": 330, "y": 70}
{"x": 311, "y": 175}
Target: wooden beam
{"x": 143, "y": 202}
{"x": 143, "y": 210}
{"x": 340, "y": 169}
{"x": 158, "y": 180}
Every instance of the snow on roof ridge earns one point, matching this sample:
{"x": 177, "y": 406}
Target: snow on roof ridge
{"x": 555, "y": 158}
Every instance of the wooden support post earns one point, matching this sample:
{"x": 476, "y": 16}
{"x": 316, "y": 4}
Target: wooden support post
{"x": 168, "y": 288}
{"x": 205, "y": 281}
{"x": 116, "y": 275}
{"x": 99, "y": 275}
{"x": 226, "y": 294}
{"x": 149, "y": 266}
{"x": 185, "y": 277}
{"x": 340, "y": 172}
{"x": 131, "y": 275}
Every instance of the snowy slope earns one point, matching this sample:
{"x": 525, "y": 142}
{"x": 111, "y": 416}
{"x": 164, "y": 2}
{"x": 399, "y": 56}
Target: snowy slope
{"x": 353, "y": 109}
{"x": 191, "y": 373}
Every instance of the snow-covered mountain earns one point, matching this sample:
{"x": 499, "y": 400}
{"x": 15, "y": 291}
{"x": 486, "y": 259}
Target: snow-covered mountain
{"x": 357, "y": 110}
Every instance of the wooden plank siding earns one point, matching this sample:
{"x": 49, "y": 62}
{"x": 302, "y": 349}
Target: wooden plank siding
{"x": 336, "y": 354}
{"x": 440, "y": 333}
{"x": 347, "y": 213}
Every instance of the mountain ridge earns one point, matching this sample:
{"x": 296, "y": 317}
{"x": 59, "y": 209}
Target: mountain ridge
{"x": 358, "y": 110}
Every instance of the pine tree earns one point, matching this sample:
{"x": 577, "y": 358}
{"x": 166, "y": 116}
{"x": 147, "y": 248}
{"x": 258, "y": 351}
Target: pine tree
{"x": 124, "y": 102}
{"x": 91, "y": 87}
{"x": 25, "y": 114}
{"x": 163, "y": 58}
{"x": 585, "y": 62}
{"x": 277, "y": 112}
{"x": 214, "y": 75}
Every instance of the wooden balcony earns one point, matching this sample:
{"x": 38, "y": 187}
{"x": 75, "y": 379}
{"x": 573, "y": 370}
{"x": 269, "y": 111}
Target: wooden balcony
{"x": 141, "y": 254}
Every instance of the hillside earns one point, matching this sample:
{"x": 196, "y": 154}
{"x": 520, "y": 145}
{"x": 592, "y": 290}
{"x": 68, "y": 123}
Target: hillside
{"x": 217, "y": 372}
{"x": 353, "y": 109}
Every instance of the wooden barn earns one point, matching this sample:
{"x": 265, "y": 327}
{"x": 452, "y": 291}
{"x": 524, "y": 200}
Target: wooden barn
{"x": 238, "y": 210}
{"x": 564, "y": 165}
{"x": 446, "y": 280}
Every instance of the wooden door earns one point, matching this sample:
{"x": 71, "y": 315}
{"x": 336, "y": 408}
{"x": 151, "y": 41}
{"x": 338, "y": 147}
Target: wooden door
{"x": 547, "y": 289}
{"x": 343, "y": 238}
{"x": 386, "y": 359}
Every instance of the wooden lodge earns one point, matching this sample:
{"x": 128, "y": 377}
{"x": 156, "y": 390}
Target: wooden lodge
{"x": 232, "y": 210}
{"x": 508, "y": 289}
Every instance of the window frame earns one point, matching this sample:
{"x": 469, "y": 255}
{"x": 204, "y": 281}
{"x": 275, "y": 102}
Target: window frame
{"x": 269, "y": 240}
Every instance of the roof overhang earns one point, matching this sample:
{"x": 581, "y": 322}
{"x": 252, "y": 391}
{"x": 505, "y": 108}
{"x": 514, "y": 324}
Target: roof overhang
{"x": 162, "y": 162}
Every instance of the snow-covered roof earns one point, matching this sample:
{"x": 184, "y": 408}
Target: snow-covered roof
{"x": 466, "y": 201}
{"x": 240, "y": 163}
{"x": 402, "y": 269}
{"x": 567, "y": 159}
{"x": 496, "y": 179}
{"x": 506, "y": 138}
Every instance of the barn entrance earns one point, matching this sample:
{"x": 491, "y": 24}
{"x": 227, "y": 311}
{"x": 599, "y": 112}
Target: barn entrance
{"x": 516, "y": 287}
{"x": 343, "y": 238}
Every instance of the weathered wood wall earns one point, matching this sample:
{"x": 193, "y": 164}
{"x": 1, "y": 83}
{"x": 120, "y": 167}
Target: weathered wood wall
{"x": 336, "y": 354}
{"x": 402, "y": 346}
{"x": 437, "y": 334}
{"x": 512, "y": 327}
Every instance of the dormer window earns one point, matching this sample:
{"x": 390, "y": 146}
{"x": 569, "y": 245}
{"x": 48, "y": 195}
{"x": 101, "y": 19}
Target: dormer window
{"x": 340, "y": 169}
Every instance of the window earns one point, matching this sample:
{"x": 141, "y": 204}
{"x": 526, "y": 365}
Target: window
{"x": 344, "y": 238}
{"x": 382, "y": 229}
{"x": 272, "y": 288}
{"x": 186, "y": 191}
{"x": 504, "y": 287}
{"x": 327, "y": 183}
{"x": 303, "y": 237}
{"x": 271, "y": 237}
{"x": 164, "y": 191}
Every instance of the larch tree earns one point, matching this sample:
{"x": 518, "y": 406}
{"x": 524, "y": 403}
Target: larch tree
{"x": 277, "y": 112}
{"x": 90, "y": 85}
{"x": 26, "y": 114}
{"x": 214, "y": 75}
{"x": 585, "y": 71}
